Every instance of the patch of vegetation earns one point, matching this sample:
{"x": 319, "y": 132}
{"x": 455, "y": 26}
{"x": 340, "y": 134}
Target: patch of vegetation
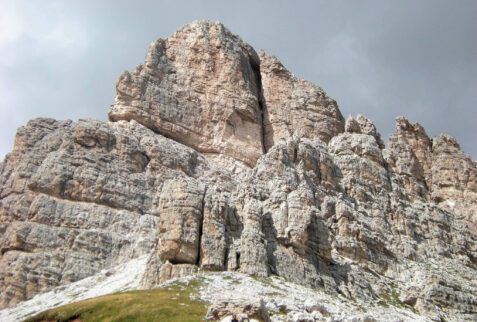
{"x": 226, "y": 277}
{"x": 151, "y": 305}
{"x": 232, "y": 280}
{"x": 383, "y": 304}
{"x": 394, "y": 300}
{"x": 267, "y": 281}
{"x": 282, "y": 311}
{"x": 195, "y": 284}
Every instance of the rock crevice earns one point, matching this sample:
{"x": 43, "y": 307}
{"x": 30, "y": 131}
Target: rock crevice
{"x": 219, "y": 158}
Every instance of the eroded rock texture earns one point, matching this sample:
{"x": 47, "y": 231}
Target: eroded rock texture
{"x": 295, "y": 106}
{"x": 200, "y": 87}
{"x": 219, "y": 159}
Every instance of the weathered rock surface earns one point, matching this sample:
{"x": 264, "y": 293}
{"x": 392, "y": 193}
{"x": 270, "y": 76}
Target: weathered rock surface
{"x": 180, "y": 210}
{"x": 295, "y": 106}
{"x": 218, "y": 159}
{"x": 200, "y": 87}
{"x": 454, "y": 178}
{"x": 250, "y": 307}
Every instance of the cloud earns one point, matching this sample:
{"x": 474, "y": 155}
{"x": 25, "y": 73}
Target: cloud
{"x": 51, "y": 30}
{"x": 345, "y": 63}
{"x": 383, "y": 59}
{"x": 38, "y": 53}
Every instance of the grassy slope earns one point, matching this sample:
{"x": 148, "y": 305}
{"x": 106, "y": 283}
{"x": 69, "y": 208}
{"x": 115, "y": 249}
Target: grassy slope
{"x": 149, "y": 305}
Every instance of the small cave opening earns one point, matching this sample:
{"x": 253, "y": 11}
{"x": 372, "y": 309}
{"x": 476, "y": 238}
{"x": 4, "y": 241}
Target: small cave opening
{"x": 237, "y": 259}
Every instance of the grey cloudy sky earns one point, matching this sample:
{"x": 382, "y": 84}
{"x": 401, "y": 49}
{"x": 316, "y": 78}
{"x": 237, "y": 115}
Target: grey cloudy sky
{"x": 383, "y": 59}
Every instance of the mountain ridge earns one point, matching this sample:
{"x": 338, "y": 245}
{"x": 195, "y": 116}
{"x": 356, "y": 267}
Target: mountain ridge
{"x": 216, "y": 157}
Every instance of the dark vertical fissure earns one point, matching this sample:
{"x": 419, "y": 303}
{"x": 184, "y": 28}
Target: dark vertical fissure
{"x": 237, "y": 260}
{"x": 201, "y": 227}
{"x": 261, "y": 102}
{"x": 226, "y": 256}
{"x": 262, "y": 106}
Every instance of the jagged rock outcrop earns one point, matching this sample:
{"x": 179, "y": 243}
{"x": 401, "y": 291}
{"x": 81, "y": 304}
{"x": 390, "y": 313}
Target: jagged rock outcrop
{"x": 251, "y": 308}
{"x": 295, "y": 106}
{"x": 216, "y": 158}
{"x": 454, "y": 178}
{"x": 200, "y": 87}
{"x": 409, "y": 155}
{"x": 180, "y": 211}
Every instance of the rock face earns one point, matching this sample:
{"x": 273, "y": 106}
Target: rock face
{"x": 200, "y": 87}
{"x": 180, "y": 210}
{"x": 295, "y": 106}
{"x": 215, "y": 158}
{"x": 252, "y": 308}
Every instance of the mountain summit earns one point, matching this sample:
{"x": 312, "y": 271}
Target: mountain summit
{"x": 218, "y": 158}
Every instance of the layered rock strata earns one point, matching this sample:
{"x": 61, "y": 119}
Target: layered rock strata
{"x": 218, "y": 158}
{"x": 200, "y": 87}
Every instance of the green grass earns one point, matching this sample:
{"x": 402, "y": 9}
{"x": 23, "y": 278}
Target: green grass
{"x": 282, "y": 312}
{"x": 151, "y": 305}
{"x": 266, "y": 281}
{"x": 383, "y": 304}
{"x": 394, "y": 300}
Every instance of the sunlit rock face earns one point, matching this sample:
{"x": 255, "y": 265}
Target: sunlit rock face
{"x": 220, "y": 159}
{"x": 200, "y": 87}
{"x": 295, "y": 106}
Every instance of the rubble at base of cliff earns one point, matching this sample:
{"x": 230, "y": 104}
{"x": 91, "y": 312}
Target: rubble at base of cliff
{"x": 228, "y": 293}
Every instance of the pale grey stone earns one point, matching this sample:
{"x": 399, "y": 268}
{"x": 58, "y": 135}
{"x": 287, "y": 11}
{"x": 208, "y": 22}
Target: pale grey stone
{"x": 217, "y": 159}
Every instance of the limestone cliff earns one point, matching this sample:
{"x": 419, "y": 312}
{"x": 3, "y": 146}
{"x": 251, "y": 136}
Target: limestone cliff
{"x": 216, "y": 157}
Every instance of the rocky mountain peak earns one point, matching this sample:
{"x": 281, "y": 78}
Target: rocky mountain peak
{"x": 216, "y": 158}
{"x": 206, "y": 88}
{"x": 200, "y": 87}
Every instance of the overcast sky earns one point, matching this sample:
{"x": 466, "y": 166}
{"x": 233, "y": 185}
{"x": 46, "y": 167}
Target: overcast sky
{"x": 383, "y": 59}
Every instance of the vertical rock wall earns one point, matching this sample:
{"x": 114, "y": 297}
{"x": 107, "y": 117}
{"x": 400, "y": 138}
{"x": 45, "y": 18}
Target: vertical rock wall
{"x": 217, "y": 159}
